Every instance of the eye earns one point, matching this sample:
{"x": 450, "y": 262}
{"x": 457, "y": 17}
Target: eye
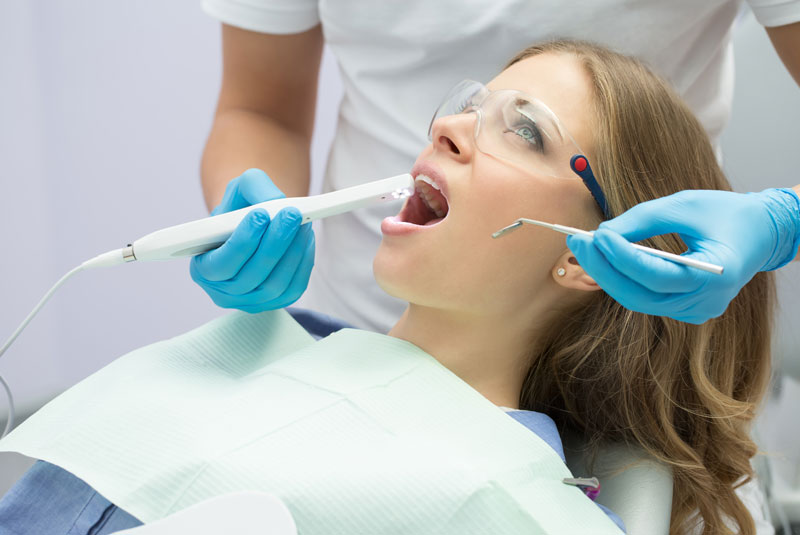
{"x": 464, "y": 103}
{"x": 529, "y": 133}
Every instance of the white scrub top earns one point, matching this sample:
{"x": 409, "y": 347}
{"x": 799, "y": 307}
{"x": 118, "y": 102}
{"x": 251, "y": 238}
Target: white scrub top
{"x": 398, "y": 59}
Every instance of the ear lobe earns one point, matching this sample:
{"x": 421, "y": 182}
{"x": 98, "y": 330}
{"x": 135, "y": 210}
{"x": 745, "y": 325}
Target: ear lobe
{"x": 569, "y": 274}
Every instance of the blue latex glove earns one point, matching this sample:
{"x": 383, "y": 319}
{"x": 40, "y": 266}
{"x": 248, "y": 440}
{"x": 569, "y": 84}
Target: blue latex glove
{"x": 264, "y": 265}
{"x": 744, "y": 233}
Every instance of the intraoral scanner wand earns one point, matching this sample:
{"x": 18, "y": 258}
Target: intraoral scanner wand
{"x": 195, "y": 237}
{"x": 202, "y": 235}
{"x": 705, "y": 266}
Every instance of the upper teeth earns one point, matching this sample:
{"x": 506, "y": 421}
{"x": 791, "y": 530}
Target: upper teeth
{"x": 422, "y": 185}
{"x": 428, "y": 180}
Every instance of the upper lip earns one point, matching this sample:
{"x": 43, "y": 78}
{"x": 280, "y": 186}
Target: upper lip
{"x": 434, "y": 172}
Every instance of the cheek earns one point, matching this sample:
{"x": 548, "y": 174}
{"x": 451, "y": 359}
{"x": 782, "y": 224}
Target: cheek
{"x": 480, "y": 271}
{"x": 499, "y": 195}
{"x": 524, "y": 258}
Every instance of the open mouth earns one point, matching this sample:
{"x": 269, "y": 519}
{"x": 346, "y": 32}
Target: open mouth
{"x": 428, "y": 206}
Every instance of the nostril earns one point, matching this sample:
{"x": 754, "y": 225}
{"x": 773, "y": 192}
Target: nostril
{"x": 450, "y": 143}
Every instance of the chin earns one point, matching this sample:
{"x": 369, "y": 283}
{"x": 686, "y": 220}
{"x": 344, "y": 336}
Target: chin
{"x": 390, "y": 274}
{"x": 411, "y": 278}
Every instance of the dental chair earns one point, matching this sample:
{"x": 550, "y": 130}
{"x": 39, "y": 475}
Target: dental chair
{"x": 634, "y": 486}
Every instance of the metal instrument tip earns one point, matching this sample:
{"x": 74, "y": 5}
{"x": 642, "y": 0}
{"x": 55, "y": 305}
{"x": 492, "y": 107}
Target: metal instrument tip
{"x": 505, "y": 230}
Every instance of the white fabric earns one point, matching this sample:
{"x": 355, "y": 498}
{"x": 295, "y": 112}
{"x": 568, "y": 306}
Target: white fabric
{"x": 775, "y": 12}
{"x": 242, "y": 513}
{"x": 398, "y": 59}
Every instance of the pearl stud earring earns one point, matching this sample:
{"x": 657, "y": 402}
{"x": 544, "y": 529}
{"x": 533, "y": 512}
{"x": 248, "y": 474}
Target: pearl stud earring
{"x": 561, "y": 272}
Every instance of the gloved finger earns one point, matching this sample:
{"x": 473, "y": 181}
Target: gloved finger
{"x": 301, "y": 276}
{"x": 224, "y": 262}
{"x": 221, "y": 299}
{"x": 652, "y": 272}
{"x": 658, "y": 216}
{"x": 274, "y": 245}
{"x": 294, "y": 290}
{"x": 255, "y": 186}
{"x": 694, "y": 308}
{"x": 622, "y": 289}
{"x": 251, "y": 187}
{"x": 224, "y": 204}
{"x": 281, "y": 276}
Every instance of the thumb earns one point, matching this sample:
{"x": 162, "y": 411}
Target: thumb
{"x": 254, "y": 186}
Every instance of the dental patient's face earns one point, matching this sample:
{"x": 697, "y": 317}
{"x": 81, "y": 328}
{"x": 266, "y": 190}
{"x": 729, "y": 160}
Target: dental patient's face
{"x": 455, "y": 263}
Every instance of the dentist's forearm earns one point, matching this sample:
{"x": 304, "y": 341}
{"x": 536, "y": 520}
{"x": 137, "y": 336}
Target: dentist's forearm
{"x": 241, "y": 139}
{"x": 786, "y": 40}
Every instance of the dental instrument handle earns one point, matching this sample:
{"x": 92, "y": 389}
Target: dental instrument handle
{"x": 195, "y": 237}
{"x": 699, "y": 264}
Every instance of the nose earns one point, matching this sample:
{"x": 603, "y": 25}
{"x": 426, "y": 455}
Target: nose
{"x": 452, "y": 135}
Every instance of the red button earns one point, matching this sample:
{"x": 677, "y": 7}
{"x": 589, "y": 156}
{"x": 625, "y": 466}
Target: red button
{"x": 580, "y": 164}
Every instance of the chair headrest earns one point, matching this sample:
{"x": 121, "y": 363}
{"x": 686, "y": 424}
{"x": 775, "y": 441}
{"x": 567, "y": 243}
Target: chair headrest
{"x": 635, "y": 486}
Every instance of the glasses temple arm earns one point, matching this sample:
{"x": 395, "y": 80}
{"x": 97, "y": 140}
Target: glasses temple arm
{"x": 580, "y": 166}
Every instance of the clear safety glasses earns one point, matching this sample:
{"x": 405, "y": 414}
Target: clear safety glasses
{"x": 522, "y": 130}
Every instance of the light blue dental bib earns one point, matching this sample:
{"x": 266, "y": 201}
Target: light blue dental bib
{"x": 358, "y": 433}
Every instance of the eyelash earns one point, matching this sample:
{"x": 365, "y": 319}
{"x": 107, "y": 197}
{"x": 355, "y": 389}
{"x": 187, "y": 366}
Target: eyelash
{"x": 464, "y": 104}
{"x": 536, "y": 135}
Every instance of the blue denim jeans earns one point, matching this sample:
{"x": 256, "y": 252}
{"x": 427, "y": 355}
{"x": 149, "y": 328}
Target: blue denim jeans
{"x": 51, "y": 501}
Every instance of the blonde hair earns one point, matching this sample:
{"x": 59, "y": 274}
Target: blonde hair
{"x": 684, "y": 393}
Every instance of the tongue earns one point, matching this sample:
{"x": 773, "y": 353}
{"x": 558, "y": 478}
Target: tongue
{"x": 433, "y": 221}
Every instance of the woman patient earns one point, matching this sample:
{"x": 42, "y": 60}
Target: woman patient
{"x": 518, "y": 320}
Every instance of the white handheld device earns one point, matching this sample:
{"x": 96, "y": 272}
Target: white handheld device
{"x": 195, "y": 237}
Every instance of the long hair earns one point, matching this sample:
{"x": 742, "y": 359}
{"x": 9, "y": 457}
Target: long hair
{"x": 684, "y": 393}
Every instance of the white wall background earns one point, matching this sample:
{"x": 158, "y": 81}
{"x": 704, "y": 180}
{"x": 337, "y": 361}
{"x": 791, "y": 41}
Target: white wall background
{"x": 104, "y": 110}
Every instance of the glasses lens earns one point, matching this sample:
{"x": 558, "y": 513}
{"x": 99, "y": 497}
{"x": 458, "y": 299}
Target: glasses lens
{"x": 524, "y": 131}
{"x": 465, "y": 95}
{"x": 514, "y": 127}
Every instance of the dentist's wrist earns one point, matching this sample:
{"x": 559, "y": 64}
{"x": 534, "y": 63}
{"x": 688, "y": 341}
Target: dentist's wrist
{"x": 783, "y": 206}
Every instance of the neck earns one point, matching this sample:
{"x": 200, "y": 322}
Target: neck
{"x": 491, "y": 354}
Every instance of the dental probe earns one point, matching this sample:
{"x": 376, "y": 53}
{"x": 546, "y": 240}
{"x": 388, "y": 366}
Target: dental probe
{"x": 195, "y": 237}
{"x": 705, "y": 266}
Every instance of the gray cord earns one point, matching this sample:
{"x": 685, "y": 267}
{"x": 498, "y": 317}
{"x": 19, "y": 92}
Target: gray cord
{"x": 10, "y": 420}
{"x": 25, "y": 322}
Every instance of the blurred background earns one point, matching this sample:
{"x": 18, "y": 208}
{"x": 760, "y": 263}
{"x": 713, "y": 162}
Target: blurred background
{"x": 104, "y": 110}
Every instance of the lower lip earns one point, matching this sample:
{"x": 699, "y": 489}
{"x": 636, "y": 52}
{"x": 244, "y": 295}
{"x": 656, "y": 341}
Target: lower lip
{"x": 393, "y": 226}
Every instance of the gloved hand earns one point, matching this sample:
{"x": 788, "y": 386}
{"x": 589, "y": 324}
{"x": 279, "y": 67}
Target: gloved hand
{"x": 264, "y": 265}
{"x": 744, "y": 233}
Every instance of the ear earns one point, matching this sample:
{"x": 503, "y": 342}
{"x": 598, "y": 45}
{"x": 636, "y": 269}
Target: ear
{"x": 569, "y": 274}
